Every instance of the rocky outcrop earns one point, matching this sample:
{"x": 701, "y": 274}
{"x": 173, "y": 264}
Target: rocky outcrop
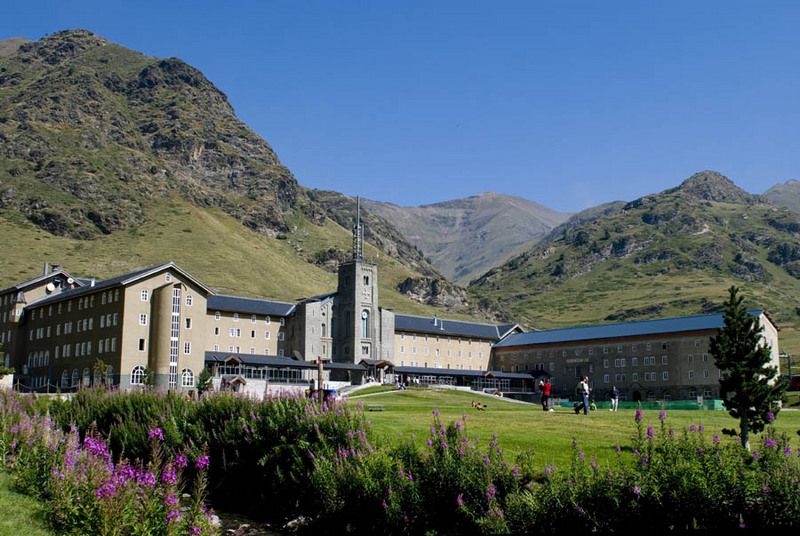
{"x": 434, "y": 292}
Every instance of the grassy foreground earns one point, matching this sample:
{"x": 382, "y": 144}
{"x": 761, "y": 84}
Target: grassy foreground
{"x": 525, "y": 427}
{"x": 22, "y": 515}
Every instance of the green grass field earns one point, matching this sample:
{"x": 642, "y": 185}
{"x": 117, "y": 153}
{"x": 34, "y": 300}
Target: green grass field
{"x": 21, "y": 515}
{"x": 525, "y": 427}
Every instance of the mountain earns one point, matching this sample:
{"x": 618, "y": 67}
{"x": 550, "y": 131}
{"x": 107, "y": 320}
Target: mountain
{"x": 785, "y": 195}
{"x": 666, "y": 254}
{"x": 111, "y": 160}
{"x": 465, "y": 237}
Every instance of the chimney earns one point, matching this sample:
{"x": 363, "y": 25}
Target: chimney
{"x": 435, "y": 321}
{"x": 93, "y": 282}
{"x": 46, "y": 268}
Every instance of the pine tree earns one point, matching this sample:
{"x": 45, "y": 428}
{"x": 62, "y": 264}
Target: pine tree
{"x": 204, "y": 381}
{"x": 750, "y": 387}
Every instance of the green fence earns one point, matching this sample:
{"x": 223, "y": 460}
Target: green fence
{"x": 708, "y": 404}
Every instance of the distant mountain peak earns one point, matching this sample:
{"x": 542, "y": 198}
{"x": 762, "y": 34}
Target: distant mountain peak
{"x": 714, "y": 186}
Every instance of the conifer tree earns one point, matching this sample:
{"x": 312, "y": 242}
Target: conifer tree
{"x": 750, "y": 386}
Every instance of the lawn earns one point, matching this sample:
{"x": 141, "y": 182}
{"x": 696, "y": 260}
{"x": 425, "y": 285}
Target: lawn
{"x": 21, "y": 515}
{"x": 525, "y": 427}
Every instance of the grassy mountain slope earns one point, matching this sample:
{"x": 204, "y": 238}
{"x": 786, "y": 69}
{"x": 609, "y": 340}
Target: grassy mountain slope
{"x": 465, "y": 237}
{"x": 208, "y": 243}
{"x": 668, "y": 254}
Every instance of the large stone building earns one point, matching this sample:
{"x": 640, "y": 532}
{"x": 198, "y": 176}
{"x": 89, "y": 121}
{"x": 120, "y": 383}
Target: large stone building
{"x": 162, "y": 325}
{"x": 663, "y": 359}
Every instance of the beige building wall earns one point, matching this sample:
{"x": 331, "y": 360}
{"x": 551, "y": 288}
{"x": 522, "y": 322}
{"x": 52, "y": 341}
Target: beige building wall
{"x": 245, "y": 333}
{"x": 440, "y": 351}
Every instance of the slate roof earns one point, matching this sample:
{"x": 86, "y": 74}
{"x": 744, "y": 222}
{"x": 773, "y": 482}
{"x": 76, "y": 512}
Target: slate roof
{"x": 465, "y": 373}
{"x": 235, "y": 304}
{"x": 614, "y": 331}
{"x": 276, "y": 361}
{"x": 440, "y": 326}
{"x": 120, "y": 280}
{"x": 36, "y": 280}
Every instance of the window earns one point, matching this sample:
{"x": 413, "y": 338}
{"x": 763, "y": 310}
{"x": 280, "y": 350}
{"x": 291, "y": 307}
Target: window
{"x": 216, "y": 315}
{"x": 605, "y": 349}
{"x": 705, "y": 358}
{"x": 605, "y": 363}
{"x": 252, "y": 334}
{"x": 690, "y": 359}
{"x": 633, "y": 347}
{"x": 65, "y": 379}
{"x": 142, "y": 345}
{"x": 402, "y": 349}
{"x": 691, "y": 374}
{"x": 137, "y": 375}
{"x": 187, "y": 348}
{"x": 283, "y": 321}
{"x": 706, "y": 374}
{"x": 635, "y": 376}
{"x": 649, "y": 346}
{"x": 697, "y": 343}
{"x": 665, "y": 375}
{"x": 606, "y": 378}
{"x": 280, "y": 336}
{"x": 663, "y": 346}
{"x": 323, "y": 330}
{"x": 634, "y": 361}
{"x": 109, "y": 375}
{"x": 266, "y": 334}
{"x": 591, "y": 352}
{"x": 189, "y": 302}
{"x": 414, "y": 350}
{"x": 143, "y": 319}
{"x": 619, "y": 349}
{"x": 116, "y": 319}
{"x": 252, "y": 350}
{"x": 168, "y": 277}
{"x": 707, "y": 393}
{"x": 267, "y": 320}
{"x": 75, "y": 378}
{"x": 663, "y": 360}
{"x": 187, "y": 378}
{"x": 692, "y": 393}
{"x": 144, "y": 294}
{"x": 252, "y": 319}
{"x": 216, "y": 347}
{"x": 235, "y": 317}
{"x": 188, "y": 323}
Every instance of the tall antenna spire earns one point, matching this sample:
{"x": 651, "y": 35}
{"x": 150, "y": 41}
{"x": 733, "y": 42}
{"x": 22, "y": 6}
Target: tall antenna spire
{"x": 358, "y": 233}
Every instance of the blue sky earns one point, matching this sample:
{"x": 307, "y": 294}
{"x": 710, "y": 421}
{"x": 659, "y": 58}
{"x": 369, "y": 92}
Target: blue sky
{"x": 566, "y": 103}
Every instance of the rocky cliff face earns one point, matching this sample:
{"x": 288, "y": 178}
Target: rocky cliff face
{"x": 90, "y": 130}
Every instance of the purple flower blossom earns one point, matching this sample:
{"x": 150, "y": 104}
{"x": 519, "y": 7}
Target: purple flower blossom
{"x": 637, "y": 490}
{"x": 435, "y": 412}
{"x": 770, "y": 443}
{"x": 770, "y": 417}
{"x": 756, "y": 455}
{"x": 580, "y": 455}
{"x": 715, "y": 439}
{"x": 180, "y": 461}
{"x": 693, "y": 428}
{"x": 156, "y": 432}
{"x": 700, "y": 452}
{"x": 618, "y": 448}
{"x": 173, "y": 516}
{"x": 638, "y": 415}
{"x": 701, "y": 427}
{"x": 662, "y": 415}
{"x": 650, "y": 432}
{"x": 202, "y": 462}
{"x": 459, "y": 501}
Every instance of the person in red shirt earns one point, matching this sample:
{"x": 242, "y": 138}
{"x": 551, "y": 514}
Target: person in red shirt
{"x": 545, "y": 386}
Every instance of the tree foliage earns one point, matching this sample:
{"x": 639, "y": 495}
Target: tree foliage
{"x": 751, "y": 387}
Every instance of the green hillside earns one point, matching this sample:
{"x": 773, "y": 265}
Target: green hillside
{"x": 664, "y": 255}
{"x": 208, "y": 243}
